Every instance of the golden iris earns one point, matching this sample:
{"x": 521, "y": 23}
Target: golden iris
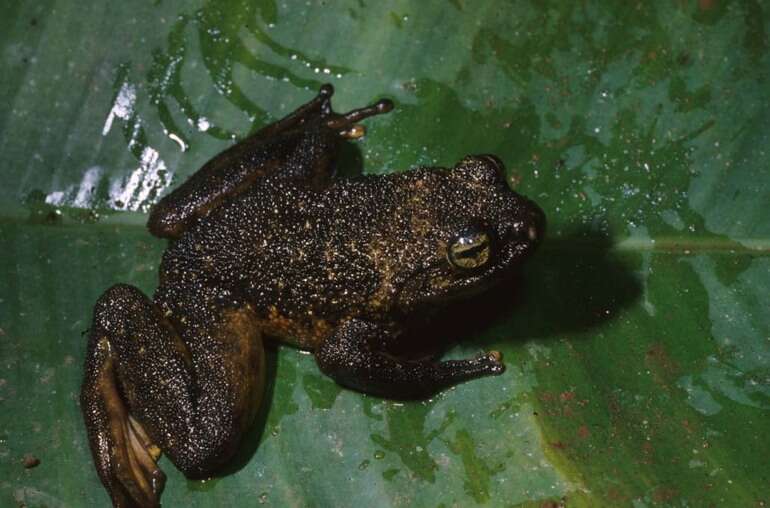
{"x": 471, "y": 249}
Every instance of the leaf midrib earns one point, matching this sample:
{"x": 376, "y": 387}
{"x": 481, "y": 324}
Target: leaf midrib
{"x": 669, "y": 244}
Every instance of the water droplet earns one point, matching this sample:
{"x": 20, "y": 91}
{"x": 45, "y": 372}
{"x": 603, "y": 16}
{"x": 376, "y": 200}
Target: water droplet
{"x": 179, "y": 141}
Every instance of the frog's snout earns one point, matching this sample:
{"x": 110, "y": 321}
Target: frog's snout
{"x": 531, "y": 230}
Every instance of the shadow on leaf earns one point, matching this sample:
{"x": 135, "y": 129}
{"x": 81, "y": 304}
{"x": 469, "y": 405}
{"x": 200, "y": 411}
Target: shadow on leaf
{"x": 572, "y": 284}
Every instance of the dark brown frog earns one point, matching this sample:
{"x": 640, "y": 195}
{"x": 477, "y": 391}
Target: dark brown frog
{"x": 265, "y": 244}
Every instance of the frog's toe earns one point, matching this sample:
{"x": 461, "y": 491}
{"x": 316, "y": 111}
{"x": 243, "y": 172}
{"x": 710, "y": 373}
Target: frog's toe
{"x": 326, "y": 90}
{"x": 354, "y": 132}
{"x": 135, "y": 478}
{"x": 494, "y": 360}
{"x": 346, "y": 123}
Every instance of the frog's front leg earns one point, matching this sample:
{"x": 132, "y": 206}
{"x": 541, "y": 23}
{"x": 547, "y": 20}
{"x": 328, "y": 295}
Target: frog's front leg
{"x": 350, "y": 356}
{"x": 301, "y": 146}
{"x": 146, "y": 389}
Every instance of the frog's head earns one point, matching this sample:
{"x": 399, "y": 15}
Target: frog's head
{"x": 478, "y": 231}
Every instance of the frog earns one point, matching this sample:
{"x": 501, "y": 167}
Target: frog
{"x": 265, "y": 242}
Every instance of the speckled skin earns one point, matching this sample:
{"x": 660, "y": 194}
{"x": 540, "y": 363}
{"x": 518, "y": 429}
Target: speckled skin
{"x": 263, "y": 242}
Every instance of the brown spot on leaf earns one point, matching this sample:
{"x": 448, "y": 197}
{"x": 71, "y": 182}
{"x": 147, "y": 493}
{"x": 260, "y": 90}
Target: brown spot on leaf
{"x": 664, "y": 494}
{"x": 29, "y": 461}
{"x": 664, "y": 369}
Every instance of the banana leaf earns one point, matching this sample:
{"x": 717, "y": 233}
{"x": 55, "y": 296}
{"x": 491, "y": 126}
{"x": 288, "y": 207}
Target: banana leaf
{"x": 637, "y": 340}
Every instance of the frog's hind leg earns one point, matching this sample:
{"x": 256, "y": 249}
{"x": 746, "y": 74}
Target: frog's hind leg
{"x": 318, "y": 106}
{"x": 145, "y": 391}
{"x": 302, "y": 147}
{"x": 230, "y": 172}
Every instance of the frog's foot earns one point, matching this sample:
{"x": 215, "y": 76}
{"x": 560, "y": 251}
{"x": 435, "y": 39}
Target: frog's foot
{"x": 345, "y": 123}
{"x": 124, "y": 454}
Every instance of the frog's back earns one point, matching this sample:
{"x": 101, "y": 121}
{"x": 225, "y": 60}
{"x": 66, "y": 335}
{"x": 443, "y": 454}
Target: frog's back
{"x": 296, "y": 254}
{"x": 360, "y": 248}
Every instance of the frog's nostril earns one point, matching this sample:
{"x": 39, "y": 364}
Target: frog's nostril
{"x": 532, "y": 234}
{"x": 536, "y": 230}
{"x": 532, "y": 228}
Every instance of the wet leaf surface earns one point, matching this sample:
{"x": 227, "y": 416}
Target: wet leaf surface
{"x": 637, "y": 340}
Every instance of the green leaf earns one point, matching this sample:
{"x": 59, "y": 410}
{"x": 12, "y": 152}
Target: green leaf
{"x": 637, "y": 342}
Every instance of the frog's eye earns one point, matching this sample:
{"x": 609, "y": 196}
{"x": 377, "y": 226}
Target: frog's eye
{"x": 471, "y": 248}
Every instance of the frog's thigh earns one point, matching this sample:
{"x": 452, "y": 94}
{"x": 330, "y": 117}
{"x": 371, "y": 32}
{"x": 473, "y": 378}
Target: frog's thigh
{"x": 145, "y": 387}
{"x": 281, "y": 147}
{"x": 302, "y": 147}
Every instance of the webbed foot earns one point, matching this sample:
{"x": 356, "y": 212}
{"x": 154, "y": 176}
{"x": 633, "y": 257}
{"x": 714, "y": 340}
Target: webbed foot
{"x": 124, "y": 455}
